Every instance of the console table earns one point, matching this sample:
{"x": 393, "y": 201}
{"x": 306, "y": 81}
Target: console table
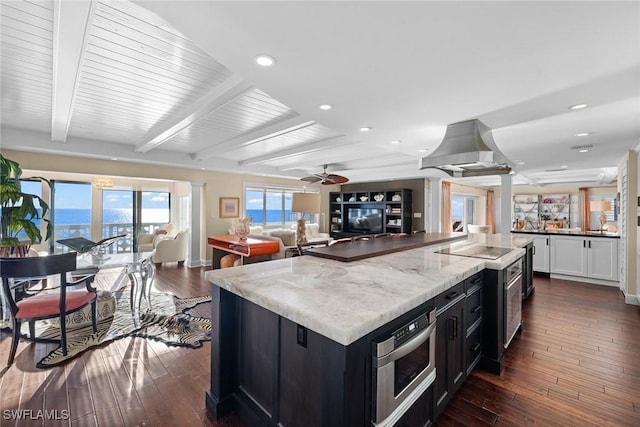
{"x": 231, "y": 244}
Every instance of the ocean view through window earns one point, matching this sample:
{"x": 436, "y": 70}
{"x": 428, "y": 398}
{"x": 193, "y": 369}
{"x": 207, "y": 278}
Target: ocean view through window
{"x": 270, "y": 205}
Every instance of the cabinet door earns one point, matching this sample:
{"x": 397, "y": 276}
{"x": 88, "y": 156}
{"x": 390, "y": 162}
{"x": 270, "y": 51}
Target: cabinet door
{"x": 603, "y": 258}
{"x": 568, "y": 255}
{"x": 541, "y": 254}
{"x": 450, "y": 363}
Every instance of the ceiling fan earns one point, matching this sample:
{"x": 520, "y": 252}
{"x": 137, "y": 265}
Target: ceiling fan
{"x": 325, "y": 178}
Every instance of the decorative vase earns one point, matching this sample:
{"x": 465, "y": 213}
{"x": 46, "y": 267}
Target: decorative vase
{"x": 241, "y": 228}
{"x": 20, "y": 250}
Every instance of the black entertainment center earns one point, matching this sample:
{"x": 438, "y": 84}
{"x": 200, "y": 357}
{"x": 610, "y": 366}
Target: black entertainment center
{"x": 356, "y": 213}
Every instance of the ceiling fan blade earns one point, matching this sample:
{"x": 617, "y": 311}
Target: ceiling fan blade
{"x": 312, "y": 178}
{"x": 335, "y": 179}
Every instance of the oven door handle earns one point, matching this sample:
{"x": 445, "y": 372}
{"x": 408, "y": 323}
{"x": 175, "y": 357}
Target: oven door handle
{"x": 513, "y": 281}
{"x": 405, "y": 348}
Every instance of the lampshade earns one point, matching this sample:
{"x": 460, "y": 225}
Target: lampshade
{"x": 102, "y": 182}
{"x": 305, "y": 202}
{"x": 599, "y": 206}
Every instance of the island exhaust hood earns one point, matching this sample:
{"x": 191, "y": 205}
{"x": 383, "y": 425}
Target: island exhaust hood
{"x": 467, "y": 149}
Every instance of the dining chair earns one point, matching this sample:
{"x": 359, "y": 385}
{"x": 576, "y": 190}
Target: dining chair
{"x": 380, "y": 235}
{"x": 340, "y": 241}
{"x": 302, "y": 247}
{"x": 53, "y": 301}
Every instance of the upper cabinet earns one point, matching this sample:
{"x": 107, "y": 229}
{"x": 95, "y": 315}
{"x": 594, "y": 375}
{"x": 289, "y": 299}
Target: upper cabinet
{"x": 538, "y": 211}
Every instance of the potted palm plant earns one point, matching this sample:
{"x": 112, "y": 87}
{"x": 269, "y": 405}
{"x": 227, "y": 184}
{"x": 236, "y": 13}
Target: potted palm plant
{"x": 19, "y": 216}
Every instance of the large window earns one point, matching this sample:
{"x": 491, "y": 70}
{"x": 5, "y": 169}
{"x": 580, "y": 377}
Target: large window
{"x": 270, "y": 206}
{"x": 71, "y": 211}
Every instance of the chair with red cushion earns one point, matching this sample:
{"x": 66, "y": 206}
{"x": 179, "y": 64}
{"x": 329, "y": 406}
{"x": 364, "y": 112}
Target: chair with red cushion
{"x": 46, "y": 305}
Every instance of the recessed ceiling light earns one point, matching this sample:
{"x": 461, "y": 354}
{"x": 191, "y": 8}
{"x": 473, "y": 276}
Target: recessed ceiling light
{"x": 203, "y": 169}
{"x": 564, "y": 166}
{"x": 578, "y": 107}
{"x": 326, "y": 107}
{"x": 265, "y": 60}
{"x": 395, "y": 141}
{"x": 584, "y": 150}
{"x": 584, "y": 134}
{"x": 520, "y": 163}
{"x": 423, "y": 150}
{"x": 114, "y": 158}
{"x": 365, "y": 129}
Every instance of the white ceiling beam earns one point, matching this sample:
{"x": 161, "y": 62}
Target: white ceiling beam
{"x": 323, "y": 144}
{"x": 228, "y": 91}
{"x": 71, "y": 26}
{"x": 277, "y": 129}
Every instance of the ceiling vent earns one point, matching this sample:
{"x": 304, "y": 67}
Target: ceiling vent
{"x": 583, "y": 147}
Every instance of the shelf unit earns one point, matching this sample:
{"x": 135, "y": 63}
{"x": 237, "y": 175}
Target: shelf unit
{"x": 395, "y": 205}
{"x": 532, "y": 211}
{"x": 526, "y": 211}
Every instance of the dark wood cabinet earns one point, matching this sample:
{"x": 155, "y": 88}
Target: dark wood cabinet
{"x": 272, "y": 371}
{"x": 450, "y": 345}
{"x": 527, "y": 266}
{"x": 473, "y": 322}
{"x": 394, "y": 208}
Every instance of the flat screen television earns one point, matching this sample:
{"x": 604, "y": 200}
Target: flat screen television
{"x": 364, "y": 220}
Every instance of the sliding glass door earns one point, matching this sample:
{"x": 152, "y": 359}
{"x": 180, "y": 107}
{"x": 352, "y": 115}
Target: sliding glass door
{"x": 118, "y": 218}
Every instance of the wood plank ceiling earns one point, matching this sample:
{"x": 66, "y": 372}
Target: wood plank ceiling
{"x": 112, "y": 79}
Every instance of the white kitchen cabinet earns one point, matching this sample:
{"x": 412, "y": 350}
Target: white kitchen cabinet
{"x": 569, "y": 255}
{"x": 541, "y": 254}
{"x": 585, "y": 256}
{"x": 602, "y": 262}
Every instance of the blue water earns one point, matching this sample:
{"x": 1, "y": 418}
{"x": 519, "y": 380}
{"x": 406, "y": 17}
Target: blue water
{"x": 272, "y": 216}
{"x": 109, "y": 216}
{"x": 124, "y": 216}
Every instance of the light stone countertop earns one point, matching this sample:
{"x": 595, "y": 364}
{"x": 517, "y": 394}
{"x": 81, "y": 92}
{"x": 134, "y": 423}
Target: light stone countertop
{"x": 344, "y": 301}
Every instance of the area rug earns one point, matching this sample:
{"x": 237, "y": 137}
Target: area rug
{"x": 166, "y": 321}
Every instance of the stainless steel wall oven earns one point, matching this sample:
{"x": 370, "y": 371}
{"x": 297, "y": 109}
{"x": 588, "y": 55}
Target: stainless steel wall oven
{"x": 403, "y": 368}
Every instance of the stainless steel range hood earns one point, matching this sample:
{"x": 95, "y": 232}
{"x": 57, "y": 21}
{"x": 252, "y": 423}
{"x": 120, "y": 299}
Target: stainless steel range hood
{"x": 468, "y": 149}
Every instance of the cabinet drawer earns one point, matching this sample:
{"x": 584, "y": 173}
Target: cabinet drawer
{"x": 449, "y": 296}
{"x": 473, "y": 282}
{"x": 474, "y": 307}
{"x": 473, "y": 346}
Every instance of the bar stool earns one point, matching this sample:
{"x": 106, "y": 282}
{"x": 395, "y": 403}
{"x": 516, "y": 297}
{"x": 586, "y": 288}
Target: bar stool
{"x": 230, "y": 260}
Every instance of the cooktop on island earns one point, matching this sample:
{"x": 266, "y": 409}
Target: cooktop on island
{"x": 477, "y": 251}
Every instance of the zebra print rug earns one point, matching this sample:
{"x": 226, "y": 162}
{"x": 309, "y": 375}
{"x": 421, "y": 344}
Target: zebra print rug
{"x": 166, "y": 321}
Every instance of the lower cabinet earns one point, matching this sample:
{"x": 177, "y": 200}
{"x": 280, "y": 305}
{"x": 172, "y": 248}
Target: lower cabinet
{"x": 541, "y": 254}
{"x": 450, "y": 345}
{"x": 588, "y": 257}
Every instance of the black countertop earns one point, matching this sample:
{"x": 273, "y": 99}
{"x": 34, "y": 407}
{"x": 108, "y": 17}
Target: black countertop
{"x": 569, "y": 232}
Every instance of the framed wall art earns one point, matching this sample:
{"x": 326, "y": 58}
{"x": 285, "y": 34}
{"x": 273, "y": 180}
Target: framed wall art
{"x": 229, "y": 207}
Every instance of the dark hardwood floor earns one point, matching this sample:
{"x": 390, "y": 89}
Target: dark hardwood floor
{"x": 577, "y": 362}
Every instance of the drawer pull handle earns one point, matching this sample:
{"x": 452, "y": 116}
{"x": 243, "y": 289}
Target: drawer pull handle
{"x": 476, "y": 309}
{"x": 476, "y": 347}
{"x": 452, "y": 295}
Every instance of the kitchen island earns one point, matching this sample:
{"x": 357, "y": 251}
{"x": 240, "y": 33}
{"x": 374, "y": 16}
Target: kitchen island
{"x": 291, "y": 338}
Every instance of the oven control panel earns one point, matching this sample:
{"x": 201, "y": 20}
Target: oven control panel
{"x": 407, "y": 331}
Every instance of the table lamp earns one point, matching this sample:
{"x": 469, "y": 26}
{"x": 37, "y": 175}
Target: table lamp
{"x": 600, "y": 206}
{"x": 304, "y": 203}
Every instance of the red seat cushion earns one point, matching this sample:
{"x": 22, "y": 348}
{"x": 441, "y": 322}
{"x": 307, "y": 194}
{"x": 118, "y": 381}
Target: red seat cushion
{"x": 44, "y": 305}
